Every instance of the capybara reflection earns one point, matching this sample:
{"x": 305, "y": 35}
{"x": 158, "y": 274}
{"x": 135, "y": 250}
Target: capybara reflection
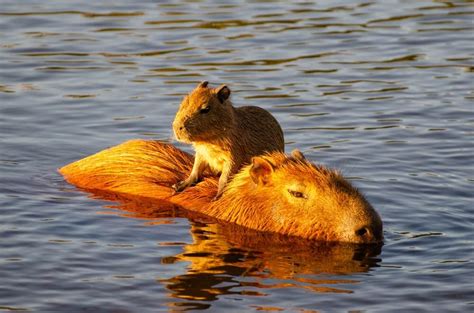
{"x": 274, "y": 193}
{"x": 224, "y": 137}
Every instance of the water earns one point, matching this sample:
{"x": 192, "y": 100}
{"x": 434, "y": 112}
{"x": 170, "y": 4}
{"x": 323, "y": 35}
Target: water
{"x": 382, "y": 90}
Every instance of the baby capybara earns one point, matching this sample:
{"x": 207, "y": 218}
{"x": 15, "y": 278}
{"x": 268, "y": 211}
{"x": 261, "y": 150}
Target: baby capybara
{"x": 224, "y": 137}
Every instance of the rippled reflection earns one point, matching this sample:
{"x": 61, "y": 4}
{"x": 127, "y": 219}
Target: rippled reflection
{"x": 227, "y": 259}
{"x": 382, "y": 90}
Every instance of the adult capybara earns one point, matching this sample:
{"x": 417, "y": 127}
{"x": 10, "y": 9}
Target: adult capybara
{"x": 224, "y": 137}
{"x": 275, "y": 193}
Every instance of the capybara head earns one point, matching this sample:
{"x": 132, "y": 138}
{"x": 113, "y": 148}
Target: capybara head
{"x": 205, "y": 114}
{"x": 312, "y": 201}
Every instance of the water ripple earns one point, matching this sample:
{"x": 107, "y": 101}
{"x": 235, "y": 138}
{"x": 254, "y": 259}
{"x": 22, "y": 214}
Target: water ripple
{"x": 381, "y": 90}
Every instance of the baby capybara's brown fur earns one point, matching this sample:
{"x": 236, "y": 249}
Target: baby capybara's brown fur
{"x": 275, "y": 193}
{"x": 224, "y": 137}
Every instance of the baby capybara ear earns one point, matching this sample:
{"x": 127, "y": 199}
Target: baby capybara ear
{"x": 261, "y": 170}
{"x": 203, "y": 84}
{"x": 223, "y": 93}
{"x": 298, "y": 155}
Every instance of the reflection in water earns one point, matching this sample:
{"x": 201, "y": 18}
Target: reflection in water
{"x": 381, "y": 89}
{"x": 227, "y": 259}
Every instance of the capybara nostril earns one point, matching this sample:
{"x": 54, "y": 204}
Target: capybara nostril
{"x": 362, "y": 231}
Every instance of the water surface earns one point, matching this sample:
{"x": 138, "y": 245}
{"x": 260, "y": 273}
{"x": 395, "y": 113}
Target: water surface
{"x": 382, "y": 90}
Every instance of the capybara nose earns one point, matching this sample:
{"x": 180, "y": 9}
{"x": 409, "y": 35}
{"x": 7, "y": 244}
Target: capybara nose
{"x": 369, "y": 234}
{"x": 365, "y": 234}
{"x": 362, "y": 231}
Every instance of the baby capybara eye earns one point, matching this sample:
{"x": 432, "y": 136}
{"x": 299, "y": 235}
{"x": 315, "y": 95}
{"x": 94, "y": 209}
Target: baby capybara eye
{"x": 205, "y": 110}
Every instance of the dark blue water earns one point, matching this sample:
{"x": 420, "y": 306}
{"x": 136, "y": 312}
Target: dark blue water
{"x": 382, "y": 90}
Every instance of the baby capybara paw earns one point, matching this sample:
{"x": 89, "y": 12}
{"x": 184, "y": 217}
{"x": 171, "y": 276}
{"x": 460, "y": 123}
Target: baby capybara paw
{"x": 180, "y": 186}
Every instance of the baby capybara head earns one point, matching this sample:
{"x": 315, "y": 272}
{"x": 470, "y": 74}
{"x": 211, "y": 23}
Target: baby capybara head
{"x": 312, "y": 201}
{"x": 205, "y": 114}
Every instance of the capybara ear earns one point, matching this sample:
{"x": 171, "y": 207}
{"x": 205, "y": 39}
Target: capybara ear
{"x": 297, "y": 154}
{"x": 223, "y": 93}
{"x": 261, "y": 170}
{"x": 203, "y": 84}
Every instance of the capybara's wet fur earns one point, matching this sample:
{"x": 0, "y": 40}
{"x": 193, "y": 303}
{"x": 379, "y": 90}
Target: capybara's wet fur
{"x": 275, "y": 193}
{"x": 224, "y": 137}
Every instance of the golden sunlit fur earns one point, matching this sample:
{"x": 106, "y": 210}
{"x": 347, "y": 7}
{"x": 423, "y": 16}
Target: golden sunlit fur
{"x": 275, "y": 193}
{"x": 224, "y": 137}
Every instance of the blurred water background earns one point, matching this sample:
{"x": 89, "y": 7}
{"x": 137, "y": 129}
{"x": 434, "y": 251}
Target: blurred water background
{"x": 383, "y": 90}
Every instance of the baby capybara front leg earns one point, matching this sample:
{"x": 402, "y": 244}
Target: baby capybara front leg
{"x": 198, "y": 167}
{"x": 222, "y": 182}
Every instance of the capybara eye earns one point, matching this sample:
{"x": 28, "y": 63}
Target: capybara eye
{"x": 205, "y": 110}
{"x": 297, "y": 194}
